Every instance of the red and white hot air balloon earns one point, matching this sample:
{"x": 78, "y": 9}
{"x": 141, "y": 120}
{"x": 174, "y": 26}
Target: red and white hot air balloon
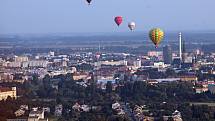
{"x": 118, "y": 20}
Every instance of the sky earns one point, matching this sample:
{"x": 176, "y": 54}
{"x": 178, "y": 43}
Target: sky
{"x": 75, "y": 16}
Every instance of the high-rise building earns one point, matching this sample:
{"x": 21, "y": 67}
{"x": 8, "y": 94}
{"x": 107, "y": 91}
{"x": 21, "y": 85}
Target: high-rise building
{"x": 167, "y": 54}
{"x": 182, "y": 50}
{"x": 184, "y": 54}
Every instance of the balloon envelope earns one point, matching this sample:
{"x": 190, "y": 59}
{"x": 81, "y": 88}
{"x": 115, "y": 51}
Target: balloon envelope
{"x": 89, "y": 1}
{"x": 131, "y": 25}
{"x": 156, "y": 35}
{"x": 118, "y": 20}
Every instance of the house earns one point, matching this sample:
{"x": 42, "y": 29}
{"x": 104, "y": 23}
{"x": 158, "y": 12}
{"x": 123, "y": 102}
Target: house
{"x": 176, "y": 116}
{"x": 76, "y": 107}
{"x": 81, "y": 75}
{"x": 152, "y": 82}
{"x": 37, "y": 115}
{"x": 58, "y": 110}
{"x": 85, "y": 108}
{"x": 201, "y": 89}
{"x": 6, "y": 92}
{"x": 46, "y": 109}
{"x": 24, "y": 107}
{"x": 19, "y": 112}
{"x": 188, "y": 78}
{"x": 115, "y": 105}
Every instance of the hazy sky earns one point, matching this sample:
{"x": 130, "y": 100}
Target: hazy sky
{"x": 45, "y": 16}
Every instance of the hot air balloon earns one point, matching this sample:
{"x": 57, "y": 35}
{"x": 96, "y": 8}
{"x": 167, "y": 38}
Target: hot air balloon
{"x": 89, "y": 1}
{"x": 131, "y": 25}
{"x": 118, "y": 20}
{"x": 156, "y": 35}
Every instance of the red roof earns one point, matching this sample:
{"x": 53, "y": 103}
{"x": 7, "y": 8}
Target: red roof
{"x": 5, "y": 89}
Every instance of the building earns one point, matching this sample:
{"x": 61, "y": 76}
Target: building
{"x": 12, "y": 64}
{"x": 154, "y": 53}
{"x": 182, "y": 51}
{"x": 188, "y": 78}
{"x": 159, "y": 64}
{"x": 35, "y": 63}
{"x": 81, "y": 75}
{"x": 58, "y": 110}
{"x": 137, "y": 63}
{"x": 21, "y": 119}
{"x": 201, "y": 90}
{"x": 113, "y": 63}
{"x": 176, "y": 116}
{"x": 19, "y": 112}
{"x": 21, "y": 58}
{"x": 51, "y": 53}
{"x": 167, "y": 54}
{"x": 37, "y": 115}
{"x": 188, "y": 59}
{"x": 6, "y": 77}
{"x": 211, "y": 88}
{"x": 6, "y": 92}
{"x": 184, "y": 54}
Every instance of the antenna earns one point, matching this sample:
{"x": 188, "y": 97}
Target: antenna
{"x": 99, "y": 46}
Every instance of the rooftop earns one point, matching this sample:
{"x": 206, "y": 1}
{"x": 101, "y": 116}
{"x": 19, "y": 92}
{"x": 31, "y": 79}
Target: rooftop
{"x": 5, "y": 89}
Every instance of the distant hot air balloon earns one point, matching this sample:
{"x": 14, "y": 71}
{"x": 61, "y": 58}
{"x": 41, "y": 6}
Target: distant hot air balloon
{"x": 131, "y": 25}
{"x": 89, "y": 1}
{"x": 118, "y": 20}
{"x": 156, "y": 35}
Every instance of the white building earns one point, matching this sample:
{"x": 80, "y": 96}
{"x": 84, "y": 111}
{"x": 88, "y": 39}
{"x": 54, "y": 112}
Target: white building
{"x": 19, "y": 112}
{"x": 159, "y": 64}
{"x": 137, "y": 63}
{"x": 21, "y": 58}
{"x": 113, "y": 63}
{"x": 12, "y": 64}
{"x": 7, "y": 92}
{"x": 37, "y": 115}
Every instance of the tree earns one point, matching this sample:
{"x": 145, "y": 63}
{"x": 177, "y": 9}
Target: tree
{"x": 170, "y": 72}
{"x": 109, "y": 87}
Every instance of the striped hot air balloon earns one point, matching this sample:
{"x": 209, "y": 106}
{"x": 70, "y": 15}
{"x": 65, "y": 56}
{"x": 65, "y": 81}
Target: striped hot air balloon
{"x": 156, "y": 35}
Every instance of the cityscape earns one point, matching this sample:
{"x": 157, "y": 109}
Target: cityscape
{"x": 61, "y": 74}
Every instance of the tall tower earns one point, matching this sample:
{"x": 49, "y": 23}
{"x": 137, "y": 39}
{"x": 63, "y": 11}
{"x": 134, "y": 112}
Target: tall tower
{"x": 167, "y": 54}
{"x": 184, "y": 54}
{"x": 180, "y": 47}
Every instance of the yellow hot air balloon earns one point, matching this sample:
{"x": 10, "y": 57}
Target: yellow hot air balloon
{"x": 156, "y": 35}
